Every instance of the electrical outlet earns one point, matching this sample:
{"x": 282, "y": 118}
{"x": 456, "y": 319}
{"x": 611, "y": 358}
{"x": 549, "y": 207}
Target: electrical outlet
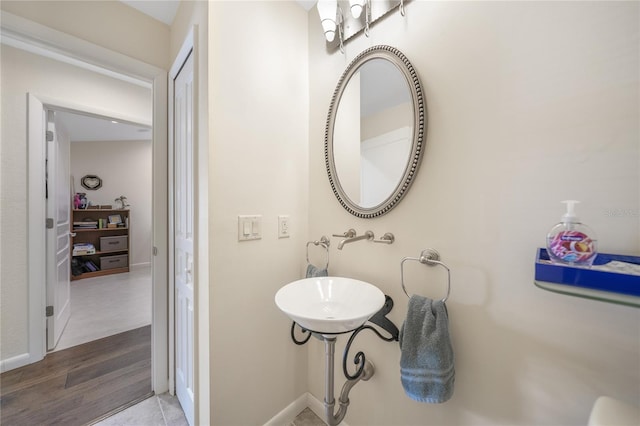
{"x": 283, "y": 226}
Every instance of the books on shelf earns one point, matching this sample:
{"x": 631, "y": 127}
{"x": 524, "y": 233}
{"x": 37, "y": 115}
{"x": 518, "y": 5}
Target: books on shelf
{"x": 81, "y": 265}
{"x": 92, "y": 224}
{"x": 85, "y": 225}
{"x": 90, "y": 266}
{"x": 80, "y": 249}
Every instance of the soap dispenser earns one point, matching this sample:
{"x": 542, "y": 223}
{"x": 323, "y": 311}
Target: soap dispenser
{"x": 570, "y": 241}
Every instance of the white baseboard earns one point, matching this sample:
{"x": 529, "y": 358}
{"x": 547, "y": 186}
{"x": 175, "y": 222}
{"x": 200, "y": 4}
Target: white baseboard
{"x": 316, "y": 406}
{"x": 135, "y": 266}
{"x": 286, "y": 416}
{"x": 14, "y": 362}
{"x": 306, "y": 400}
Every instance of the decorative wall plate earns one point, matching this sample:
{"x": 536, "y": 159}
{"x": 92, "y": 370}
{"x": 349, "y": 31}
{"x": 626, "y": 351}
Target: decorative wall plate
{"x": 91, "y": 182}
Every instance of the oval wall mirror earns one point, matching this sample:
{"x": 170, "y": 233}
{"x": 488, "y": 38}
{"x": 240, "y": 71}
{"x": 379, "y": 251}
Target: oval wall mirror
{"x": 375, "y": 132}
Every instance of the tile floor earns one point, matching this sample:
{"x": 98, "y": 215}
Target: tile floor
{"x": 165, "y": 410}
{"x": 107, "y": 305}
{"x": 307, "y": 418}
{"x": 160, "y": 410}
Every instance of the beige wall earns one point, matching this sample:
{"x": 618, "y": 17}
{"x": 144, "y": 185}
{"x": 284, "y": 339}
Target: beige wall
{"x": 258, "y": 164}
{"x": 107, "y": 23}
{"x": 125, "y": 169}
{"x": 24, "y": 73}
{"x": 529, "y": 103}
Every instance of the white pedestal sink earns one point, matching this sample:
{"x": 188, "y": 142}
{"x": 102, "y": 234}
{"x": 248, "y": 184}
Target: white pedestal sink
{"x": 329, "y": 305}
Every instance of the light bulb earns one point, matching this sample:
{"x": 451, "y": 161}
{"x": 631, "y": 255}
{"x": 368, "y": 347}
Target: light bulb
{"x": 356, "y": 7}
{"x": 330, "y": 35}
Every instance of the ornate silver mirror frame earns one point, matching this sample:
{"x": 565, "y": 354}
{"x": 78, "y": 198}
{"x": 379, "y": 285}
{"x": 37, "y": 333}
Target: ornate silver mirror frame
{"x": 403, "y": 65}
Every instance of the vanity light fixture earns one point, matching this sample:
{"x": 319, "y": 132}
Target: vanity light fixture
{"x": 329, "y": 17}
{"x": 359, "y": 6}
{"x": 349, "y": 24}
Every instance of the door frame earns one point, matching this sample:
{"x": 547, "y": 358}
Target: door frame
{"x": 83, "y": 53}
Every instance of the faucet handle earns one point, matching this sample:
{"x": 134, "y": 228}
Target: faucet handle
{"x": 348, "y": 234}
{"x": 387, "y": 238}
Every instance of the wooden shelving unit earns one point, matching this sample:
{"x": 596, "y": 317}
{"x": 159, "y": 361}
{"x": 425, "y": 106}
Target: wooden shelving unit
{"x": 93, "y": 236}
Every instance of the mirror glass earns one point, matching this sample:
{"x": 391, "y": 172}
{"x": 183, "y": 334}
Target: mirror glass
{"x": 374, "y": 135}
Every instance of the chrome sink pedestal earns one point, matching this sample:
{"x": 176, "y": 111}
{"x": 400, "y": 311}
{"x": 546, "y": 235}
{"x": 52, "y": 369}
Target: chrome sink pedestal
{"x": 329, "y": 400}
{"x": 364, "y": 368}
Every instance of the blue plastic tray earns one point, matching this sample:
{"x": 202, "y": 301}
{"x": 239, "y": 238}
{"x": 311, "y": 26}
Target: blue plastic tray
{"x": 588, "y": 278}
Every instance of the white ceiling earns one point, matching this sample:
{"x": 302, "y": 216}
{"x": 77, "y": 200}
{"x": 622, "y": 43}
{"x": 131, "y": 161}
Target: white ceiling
{"x": 85, "y": 128}
{"x": 165, "y": 10}
{"x": 162, "y": 10}
{"x": 307, "y": 4}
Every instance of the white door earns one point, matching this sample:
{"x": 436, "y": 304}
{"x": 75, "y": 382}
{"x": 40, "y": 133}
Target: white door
{"x": 58, "y": 196}
{"x": 183, "y": 236}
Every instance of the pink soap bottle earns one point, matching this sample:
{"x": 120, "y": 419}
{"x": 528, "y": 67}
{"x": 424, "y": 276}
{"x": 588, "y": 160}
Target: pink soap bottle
{"x": 571, "y": 242}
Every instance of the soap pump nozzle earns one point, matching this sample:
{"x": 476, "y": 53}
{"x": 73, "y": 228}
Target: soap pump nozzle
{"x": 570, "y": 215}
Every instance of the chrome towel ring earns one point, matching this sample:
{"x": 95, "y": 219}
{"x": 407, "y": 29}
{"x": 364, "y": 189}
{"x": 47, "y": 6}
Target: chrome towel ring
{"x": 429, "y": 257}
{"x": 324, "y": 243}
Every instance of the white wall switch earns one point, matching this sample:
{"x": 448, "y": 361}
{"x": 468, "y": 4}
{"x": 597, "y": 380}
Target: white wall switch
{"x": 283, "y": 226}
{"x": 249, "y": 227}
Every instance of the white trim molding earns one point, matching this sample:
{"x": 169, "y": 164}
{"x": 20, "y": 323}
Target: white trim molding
{"x": 36, "y": 38}
{"x": 137, "y": 266}
{"x": 14, "y": 362}
{"x": 289, "y": 413}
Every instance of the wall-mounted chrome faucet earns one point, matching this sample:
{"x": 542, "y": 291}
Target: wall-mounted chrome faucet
{"x": 366, "y": 236}
{"x": 350, "y": 233}
{"x": 351, "y": 236}
{"x": 387, "y": 238}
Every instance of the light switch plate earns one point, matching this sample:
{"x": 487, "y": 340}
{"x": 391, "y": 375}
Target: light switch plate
{"x": 283, "y": 226}
{"x": 249, "y": 227}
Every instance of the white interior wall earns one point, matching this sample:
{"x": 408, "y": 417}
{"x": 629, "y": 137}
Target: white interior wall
{"x": 386, "y": 121}
{"x": 22, "y": 73}
{"x": 258, "y": 164}
{"x": 529, "y": 103}
{"x": 125, "y": 169}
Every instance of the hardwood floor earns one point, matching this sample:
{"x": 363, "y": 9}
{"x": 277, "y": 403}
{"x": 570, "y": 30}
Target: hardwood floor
{"x": 79, "y": 385}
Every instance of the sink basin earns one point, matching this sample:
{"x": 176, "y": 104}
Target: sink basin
{"x": 330, "y": 305}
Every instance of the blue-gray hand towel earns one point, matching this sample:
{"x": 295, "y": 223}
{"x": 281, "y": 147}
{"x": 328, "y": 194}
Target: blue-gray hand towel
{"x": 426, "y": 361}
{"x": 313, "y": 272}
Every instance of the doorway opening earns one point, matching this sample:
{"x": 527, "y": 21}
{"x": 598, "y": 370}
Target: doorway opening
{"x": 109, "y": 176}
{"x": 104, "y": 369}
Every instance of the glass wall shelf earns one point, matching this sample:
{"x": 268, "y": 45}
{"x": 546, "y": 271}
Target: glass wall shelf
{"x": 590, "y": 283}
